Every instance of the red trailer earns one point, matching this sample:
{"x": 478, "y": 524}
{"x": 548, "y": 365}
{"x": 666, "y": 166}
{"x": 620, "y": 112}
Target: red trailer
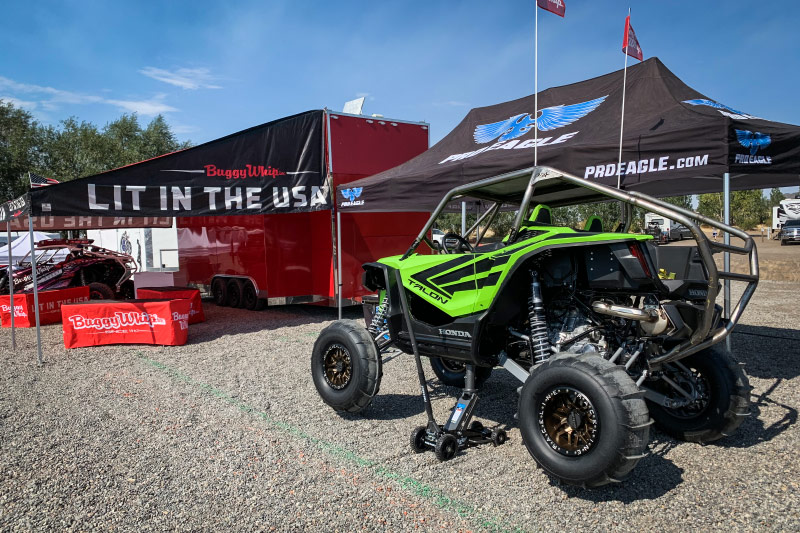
{"x": 250, "y": 260}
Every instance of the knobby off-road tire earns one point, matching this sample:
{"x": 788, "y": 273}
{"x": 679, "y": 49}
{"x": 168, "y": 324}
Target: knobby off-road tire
{"x": 723, "y": 407}
{"x": 609, "y": 426}
{"x": 450, "y": 372}
{"x": 100, "y": 291}
{"x": 346, "y": 366}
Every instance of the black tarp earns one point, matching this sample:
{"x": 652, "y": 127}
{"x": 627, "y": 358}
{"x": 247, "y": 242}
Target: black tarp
{"x": 277, "y": 167}
{"x": 676, "y": 141}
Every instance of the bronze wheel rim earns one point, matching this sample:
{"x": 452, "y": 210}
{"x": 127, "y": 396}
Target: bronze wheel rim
{"x": 568, "y": 421}
{"x": 337, "y": 366}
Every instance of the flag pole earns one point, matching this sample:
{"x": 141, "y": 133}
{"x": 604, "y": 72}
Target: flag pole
{"x": 536, "y": 87}
{"x": 624, "y": 83}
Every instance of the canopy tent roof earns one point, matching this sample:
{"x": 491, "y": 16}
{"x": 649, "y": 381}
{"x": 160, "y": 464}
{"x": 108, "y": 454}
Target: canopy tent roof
{"x": 676, "y": 141}
{"x": 278, "y": 166}
{"x": 21, "y": 246}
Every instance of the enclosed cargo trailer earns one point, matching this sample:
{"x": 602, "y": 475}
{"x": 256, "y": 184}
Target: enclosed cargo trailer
{"x": 250, "y": 260}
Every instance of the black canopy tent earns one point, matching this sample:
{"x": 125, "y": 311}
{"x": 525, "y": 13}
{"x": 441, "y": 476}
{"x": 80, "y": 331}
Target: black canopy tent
{"x": 277, "y": 167}
{"x": 676, "y": 141}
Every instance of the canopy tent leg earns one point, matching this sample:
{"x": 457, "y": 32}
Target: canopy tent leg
{"x": 11, "y": 290}
{"x": 35, "y": 293}
{"x": 339, "y": 260}
{"x": 726, "y": 209}
{"x": 463, "y": 219}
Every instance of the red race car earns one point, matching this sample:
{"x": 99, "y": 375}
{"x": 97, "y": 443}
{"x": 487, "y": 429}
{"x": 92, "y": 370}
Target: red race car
{"x": 106, "y": 272}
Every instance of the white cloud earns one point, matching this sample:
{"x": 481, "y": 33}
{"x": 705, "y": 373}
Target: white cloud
{"x": 152, "y": 107}
{"x": 451, "y": 103}
{"x": 16, "y": 102}
{"x": 51, "y": 98}
{"x": 185, "y": 78}
{"x": 182, "y": 128}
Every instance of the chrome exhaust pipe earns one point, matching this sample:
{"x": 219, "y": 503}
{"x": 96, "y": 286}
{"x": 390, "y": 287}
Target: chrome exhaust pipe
{"x": 621, "y": 311}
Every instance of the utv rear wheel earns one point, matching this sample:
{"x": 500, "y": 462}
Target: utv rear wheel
{"x": 583, "y": 420}
{"x": 100, "y": 291}
{"x": 452, "y": 372}
{"x": 219, "y": 291}
{"x": 235, "y": 293}
{"x": 723, "y": 397}
{"x": 346, "y": 366}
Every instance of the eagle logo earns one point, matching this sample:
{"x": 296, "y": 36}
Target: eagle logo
{"x": 717, "y": 105}
{"x": 549, "y": 118}
{"x": 352, "y": 194}
{"x": 755, "y": 141}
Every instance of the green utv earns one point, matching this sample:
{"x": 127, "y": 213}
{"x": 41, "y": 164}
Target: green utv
{"x": 600, "y": 342}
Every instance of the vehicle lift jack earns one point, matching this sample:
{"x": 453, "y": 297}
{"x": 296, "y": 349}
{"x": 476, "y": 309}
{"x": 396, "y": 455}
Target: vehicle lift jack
{"x": 458, "y": 433}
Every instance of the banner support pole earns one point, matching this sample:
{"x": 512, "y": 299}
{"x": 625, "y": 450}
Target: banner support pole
{"x": 726, "y": 209}
{"x": 339, "y": 258}
{"x": 536, "y": 87}
{"x": 622, "y": 117}
{"x": 35, "y": 291}
{"x": 11, "y": 289}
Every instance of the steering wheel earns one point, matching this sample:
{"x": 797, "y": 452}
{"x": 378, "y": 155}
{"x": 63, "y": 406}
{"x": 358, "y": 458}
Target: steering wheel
{"x": 463, "y": 244}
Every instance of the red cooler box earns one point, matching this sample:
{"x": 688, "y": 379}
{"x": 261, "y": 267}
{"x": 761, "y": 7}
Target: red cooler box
{"x": 172, "y": 293}
{"x": 50, "y": 303}
{"x": 164, "y": 322}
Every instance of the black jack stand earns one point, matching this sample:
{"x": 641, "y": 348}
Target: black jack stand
{"x": 458, "y": 433}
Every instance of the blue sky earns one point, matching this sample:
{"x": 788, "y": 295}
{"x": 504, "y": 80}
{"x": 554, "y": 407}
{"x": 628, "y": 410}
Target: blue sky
{"x": 213, "y": 68}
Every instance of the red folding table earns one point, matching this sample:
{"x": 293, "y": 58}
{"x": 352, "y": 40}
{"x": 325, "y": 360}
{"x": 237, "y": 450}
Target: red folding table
{"x": 164, "y": 322}
{"x": 193, "y": 295}
{"x": 50, "y": 303}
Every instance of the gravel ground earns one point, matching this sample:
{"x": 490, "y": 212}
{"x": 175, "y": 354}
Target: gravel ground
{"x": 228, "y": 433}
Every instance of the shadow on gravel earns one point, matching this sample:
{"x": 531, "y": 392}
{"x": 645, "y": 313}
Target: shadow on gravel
{"x": 394, "y": 407}
{"x": 272, "y": 318}
{"x": 652, "y": 478}
{"x": 767, "y": 352}
{"x": 753, "y": 431}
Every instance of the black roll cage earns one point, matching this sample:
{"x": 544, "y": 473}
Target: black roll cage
{"x": 556, "y": 188}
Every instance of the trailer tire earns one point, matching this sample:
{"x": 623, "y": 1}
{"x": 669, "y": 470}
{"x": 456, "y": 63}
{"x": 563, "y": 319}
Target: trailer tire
{"x": 346, "y": 366}
{"x": 721, "y": 410}
{"x": 452, "y": 373}
{"x": 250, "y": 298}
{"x": 100, "y": 291}
{"x": 583, "y": 420}
{"x": 219, "y": 291}
{"x": 235, "y": 293}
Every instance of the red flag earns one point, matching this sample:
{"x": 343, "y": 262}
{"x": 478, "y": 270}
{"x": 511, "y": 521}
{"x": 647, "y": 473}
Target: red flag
{"x": 553, "y": 6}
{"x": 630, "y": 45}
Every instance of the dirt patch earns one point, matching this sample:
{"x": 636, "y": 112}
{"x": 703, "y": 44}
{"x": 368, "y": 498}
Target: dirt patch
{"x": 775, "y": 262}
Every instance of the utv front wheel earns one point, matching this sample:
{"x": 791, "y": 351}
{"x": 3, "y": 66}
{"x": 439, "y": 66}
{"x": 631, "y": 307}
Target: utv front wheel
{"x": 346, "y": 366}
{"x": 452, "y": 372}
{"x": 583, "y": 420}
{"x": 100, "y": 291}
{"x": 723, "y": 397}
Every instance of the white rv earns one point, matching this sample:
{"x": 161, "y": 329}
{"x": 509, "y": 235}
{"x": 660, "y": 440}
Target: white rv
{"x": 789, "y": 209}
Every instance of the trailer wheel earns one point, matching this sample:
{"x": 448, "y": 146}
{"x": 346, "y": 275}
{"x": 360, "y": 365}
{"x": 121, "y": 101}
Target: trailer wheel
{"x": 250, "y": 297}
{"x": 219, "y": 291}
{"x": 583, "y": 420}
{"x": 235, "y": 293}
{"x": 452, "y": 372}
{"x": 100, "y": 291}
{"x": 346, "y": 366}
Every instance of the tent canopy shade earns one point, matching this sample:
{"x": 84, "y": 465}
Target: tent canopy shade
{"x": 277, "y": 167}
{"x": 676, "y": 141}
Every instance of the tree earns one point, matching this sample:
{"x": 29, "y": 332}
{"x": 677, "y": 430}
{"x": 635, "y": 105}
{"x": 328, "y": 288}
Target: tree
{"x": 20, "y": 142}
{"x": 746, "y": 209}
